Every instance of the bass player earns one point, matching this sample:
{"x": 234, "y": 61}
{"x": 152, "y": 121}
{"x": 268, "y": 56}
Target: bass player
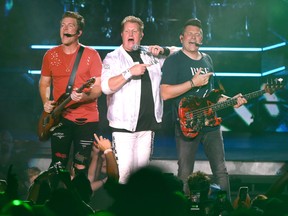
{"x": 190, "y": 72}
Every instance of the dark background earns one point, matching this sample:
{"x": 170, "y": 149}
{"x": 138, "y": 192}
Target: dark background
{"x": 230, "y": 23}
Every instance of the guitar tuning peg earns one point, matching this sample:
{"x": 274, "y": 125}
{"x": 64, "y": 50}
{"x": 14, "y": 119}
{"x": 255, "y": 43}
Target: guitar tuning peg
{"x": 280, "y": 80}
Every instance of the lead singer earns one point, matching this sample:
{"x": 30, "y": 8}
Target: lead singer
{"x": 130, "y": 78}
{"x": 189, "y": 72}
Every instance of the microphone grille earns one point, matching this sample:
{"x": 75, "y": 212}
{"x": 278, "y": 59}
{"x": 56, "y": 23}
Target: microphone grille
{"x": 135, "y": 47}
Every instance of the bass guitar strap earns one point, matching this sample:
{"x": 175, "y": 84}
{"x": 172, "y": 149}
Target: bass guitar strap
{"x": 73, "y": 74}
{"x": 208, "y": 60}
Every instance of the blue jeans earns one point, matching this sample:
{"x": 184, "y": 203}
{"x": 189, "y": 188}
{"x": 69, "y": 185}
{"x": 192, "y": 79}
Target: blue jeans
{"x": 212, "y": 142}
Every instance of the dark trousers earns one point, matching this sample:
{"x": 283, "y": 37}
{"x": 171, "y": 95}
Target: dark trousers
{"x": 212, "y": 142}
{"x": 80, "y": 135}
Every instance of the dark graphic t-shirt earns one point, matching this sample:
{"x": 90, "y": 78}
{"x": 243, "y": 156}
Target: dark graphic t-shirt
{"x": 179, "y": 68}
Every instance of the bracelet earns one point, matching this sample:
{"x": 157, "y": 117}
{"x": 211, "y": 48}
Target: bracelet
{"x": 127, "y": 74}
{"x": 107, "y": 151}
{"x": 192, "y": 84}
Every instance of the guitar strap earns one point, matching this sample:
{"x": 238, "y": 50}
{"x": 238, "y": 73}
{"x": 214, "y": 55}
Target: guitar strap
{"x": 208, "y": 60}
{"x": 73, "y": 74}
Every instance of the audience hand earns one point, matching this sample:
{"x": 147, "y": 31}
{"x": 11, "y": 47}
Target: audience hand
{"x": 102, "y": 143}
{"x": 242, "y": 204}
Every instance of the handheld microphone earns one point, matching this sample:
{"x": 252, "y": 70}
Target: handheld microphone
{"x": 142, "y": 48}
{"x": 70, "y": 35}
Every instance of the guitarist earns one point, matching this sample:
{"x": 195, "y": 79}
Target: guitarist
{"x": 190, "y": 72}
{"x": 79, "y": 120}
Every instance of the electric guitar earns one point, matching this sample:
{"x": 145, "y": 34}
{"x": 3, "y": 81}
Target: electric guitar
{"x": 49, "y": 121}
{"x": 194, "y": 113}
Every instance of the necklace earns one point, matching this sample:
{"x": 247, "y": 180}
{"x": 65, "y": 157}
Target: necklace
{"x": 68, "y": 60}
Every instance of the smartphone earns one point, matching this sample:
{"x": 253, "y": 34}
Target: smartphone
{"x": 243, "y": 191}
{"x": 195, "y": 200}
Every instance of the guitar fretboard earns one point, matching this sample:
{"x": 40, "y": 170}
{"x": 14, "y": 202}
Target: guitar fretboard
{"x": 233, "y": 101}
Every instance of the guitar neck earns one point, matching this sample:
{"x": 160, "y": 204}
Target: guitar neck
{"x": 61, "y": 106}
{"x": 58, "y": 109}
{"x": 233, "y": 101}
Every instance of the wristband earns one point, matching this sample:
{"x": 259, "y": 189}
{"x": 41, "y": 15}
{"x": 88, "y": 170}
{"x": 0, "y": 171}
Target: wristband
{"x": 166, "y": 51}
{"x": 192, "y": 84}
{"x": 37, "y": 181}
{"x": 107, "y": 151}
{"x": 127, "y": 74}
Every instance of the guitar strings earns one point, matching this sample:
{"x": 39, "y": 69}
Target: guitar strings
{"x": 200, "y": 112}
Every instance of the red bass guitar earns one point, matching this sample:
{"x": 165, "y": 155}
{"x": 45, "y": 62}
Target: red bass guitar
{"x": 195, "y": 113}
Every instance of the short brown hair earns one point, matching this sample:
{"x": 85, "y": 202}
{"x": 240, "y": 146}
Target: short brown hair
{"x": 80, "y": 19}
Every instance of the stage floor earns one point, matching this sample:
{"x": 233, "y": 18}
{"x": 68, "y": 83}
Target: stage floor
{"x": 248, "y": 147}
{"x": 254, "y": 160}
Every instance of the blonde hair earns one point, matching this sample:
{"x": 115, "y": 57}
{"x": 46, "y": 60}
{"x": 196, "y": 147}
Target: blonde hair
{"x": 132, "y": 19}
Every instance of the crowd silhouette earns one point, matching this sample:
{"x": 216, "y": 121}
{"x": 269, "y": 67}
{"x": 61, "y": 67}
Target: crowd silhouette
{"x": 148, "y": 191}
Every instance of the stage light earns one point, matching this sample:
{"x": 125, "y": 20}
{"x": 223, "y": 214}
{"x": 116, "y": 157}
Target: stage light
{"x": 216, "y": 49}
{"x": 244, "y": 114}
{"x": 220, "y": 74}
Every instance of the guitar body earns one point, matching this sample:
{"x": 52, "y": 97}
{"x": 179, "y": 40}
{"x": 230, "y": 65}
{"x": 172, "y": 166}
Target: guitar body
{"x": 194, "y": 113}
{"x": 45, "y": 123}
{"x": 48, "y": 120}
{"x": 193, "y": 116}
